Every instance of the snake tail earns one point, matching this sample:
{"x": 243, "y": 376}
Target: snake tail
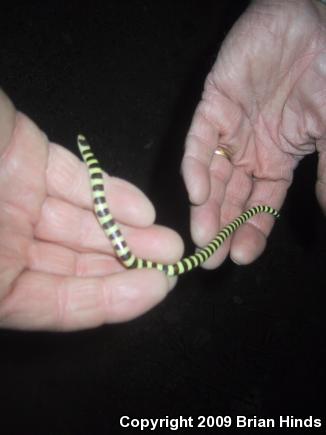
{"x": 120, "y": 246}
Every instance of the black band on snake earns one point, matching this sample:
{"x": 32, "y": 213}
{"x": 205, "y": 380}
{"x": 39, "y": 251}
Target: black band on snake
{"x": 120, "y": 246}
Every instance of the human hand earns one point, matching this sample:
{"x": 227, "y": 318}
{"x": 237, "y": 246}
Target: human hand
{"x": 264, "y": 101}
{"x": 57, "y": 269}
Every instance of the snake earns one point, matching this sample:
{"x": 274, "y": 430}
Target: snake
{"x": 119, "y": 244}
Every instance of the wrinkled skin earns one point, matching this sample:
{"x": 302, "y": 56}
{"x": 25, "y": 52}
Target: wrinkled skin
{"x": 57, "y": 269}
{"x": 264, "y": 100}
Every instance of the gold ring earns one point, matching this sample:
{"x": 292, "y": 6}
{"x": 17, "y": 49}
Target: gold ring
{"x": 220, "y": 151}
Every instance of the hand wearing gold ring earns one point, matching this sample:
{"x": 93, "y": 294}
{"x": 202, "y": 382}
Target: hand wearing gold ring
{"x": 262, "y": 98}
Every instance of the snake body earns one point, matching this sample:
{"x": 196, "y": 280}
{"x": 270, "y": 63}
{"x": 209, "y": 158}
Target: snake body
{"x": 120, "y": 246}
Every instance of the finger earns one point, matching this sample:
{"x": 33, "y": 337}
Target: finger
{"x": 59, "y": 260}
{"x": 216, "y": 117}
{"x": 201, "y": 141}
{"x": 205, "y": 218}
{"x": 249, "y": 240}
{"x": 52, "y": 302}
{"x": 78, "y": 229}
{"x": 67, "y": 179}
{"x": 228, "y": 206}
{"x": 321, "y": 180}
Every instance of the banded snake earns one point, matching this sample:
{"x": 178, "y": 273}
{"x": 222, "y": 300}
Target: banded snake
{"x": 119, "y": 244}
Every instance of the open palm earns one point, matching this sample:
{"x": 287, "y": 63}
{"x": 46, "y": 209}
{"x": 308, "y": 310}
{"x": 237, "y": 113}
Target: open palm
{"x": 57, "y": 269}
{"x": 264, "y": 100}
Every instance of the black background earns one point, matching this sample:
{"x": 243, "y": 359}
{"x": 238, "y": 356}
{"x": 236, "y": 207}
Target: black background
{"x": 235, "y": 341}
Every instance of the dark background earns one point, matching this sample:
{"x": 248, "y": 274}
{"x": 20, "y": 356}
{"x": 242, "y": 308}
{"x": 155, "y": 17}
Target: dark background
{"x": 234, "y": 341}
